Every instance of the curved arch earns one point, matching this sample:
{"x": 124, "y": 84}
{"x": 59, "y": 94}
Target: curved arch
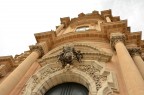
{"x": 61, "y": 76}
{"x": 95, "y": 77}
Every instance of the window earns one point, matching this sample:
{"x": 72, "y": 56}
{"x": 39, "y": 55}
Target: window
{"x": 83, "y": 28}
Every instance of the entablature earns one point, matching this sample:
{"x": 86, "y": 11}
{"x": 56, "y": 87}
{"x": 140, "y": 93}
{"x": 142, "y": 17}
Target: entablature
{"x": 134, "y": 38}
{"x": 142, "y": 48}
{"x": 52, "y": 40}
{"x": 9, "y": 59}
{"x": 6, "y": 65}
{"x": 111, "y": 27}
{"x": 91, "y": 35}
{"x": 100, "y": 33}
{"x": 115, "y": 18}
{"x": 106, "y": 13}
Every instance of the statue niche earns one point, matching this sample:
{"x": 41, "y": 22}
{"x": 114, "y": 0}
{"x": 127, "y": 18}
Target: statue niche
{"x": 68, "y": 55}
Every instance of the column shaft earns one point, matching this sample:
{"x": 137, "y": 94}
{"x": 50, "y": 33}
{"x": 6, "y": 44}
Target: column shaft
{"x": 139, "y": 63}
{"x": 131, "y": 75}
{"x": 12, "y": 80}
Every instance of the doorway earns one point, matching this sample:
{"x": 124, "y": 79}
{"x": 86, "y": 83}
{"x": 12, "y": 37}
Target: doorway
{"x": 69, "y": 88}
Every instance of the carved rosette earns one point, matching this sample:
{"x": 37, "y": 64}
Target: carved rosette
{"x": 116, "y": 37}
{"x": 37, "y": 48}
{"x": 134, "y": 51}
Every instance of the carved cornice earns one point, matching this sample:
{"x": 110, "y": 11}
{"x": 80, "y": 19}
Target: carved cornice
{"x": 92, "y": 35}
{"x": 89, "y": 53}
{"x": 21, "y": 57}
{"x": 82, "y": 22}
{"x": 134, "y": 38}
{"x": 134, "y": 51}
{"x": 106, "y": 13}
{"x": 118, "y": 26}
{"x": 82, "y": 18}
{"x": 37, "y": 48}
{"x": 8, "y": 63}
{"x": 116, "y": 18}
{"x": 65, "y": 21}
{"x": 116, "y": 37}
{"x": 7, "y": 58}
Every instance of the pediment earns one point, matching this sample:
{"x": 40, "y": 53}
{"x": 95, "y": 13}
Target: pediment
{"x": 89, "y": 53}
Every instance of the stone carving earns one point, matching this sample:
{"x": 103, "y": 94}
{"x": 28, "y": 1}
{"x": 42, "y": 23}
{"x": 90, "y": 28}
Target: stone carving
{"x": 89, "y": 52}
{"x": 37, "y": 48}
{"x": 19, "y": 58}
{"x": 103, "y": 81}
{"x": 41, "y": 75}
{"x": 134, "y": 51}
{"x": 2, "y": 71}
{"x": 116, "y": 37}
{"x": 68, "y": 67}
{"x": 68, "y": 55}
{"x": 94, "y": 73}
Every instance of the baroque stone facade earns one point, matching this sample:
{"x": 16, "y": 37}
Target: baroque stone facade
{"x": 111, "y": 64}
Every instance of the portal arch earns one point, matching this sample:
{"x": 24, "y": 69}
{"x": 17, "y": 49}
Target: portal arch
{"x": 96, "y": 78}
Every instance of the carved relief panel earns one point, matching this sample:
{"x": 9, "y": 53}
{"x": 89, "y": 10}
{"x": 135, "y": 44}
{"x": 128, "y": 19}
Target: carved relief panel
{"x": 90, "y": 72}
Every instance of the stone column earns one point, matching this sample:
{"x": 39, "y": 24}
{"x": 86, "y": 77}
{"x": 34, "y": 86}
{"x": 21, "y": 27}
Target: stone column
{"x": 132, "y": 77}
{"x": 12, "y": 80}
{"x": 59, "y": 28}
{"x": 108, "y": 19}
{"x": 135, "y": 53}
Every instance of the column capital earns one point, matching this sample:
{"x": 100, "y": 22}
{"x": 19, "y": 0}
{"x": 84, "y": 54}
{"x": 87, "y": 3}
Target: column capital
{"x": 134, "y": 51}
{"x": 116, "y": 37}
{"x": 37, "y": 48}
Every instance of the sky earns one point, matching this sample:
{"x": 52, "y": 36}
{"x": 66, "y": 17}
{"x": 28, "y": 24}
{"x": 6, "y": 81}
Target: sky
{"x": 20, "y": 19}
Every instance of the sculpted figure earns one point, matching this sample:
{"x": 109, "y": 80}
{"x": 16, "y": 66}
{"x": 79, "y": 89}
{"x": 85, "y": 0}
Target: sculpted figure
{"x": 68, "y": 55}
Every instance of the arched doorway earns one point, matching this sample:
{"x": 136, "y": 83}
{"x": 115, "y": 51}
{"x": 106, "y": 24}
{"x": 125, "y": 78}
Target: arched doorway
{"x": 86, "y": 74}
{"x": 69, "y": 88}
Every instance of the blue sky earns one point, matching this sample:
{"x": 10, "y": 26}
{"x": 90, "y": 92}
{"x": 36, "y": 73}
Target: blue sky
{"x": 20, "y": 19}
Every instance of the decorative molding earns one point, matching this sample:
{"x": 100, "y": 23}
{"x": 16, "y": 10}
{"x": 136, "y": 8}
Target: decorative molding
{"x": 98, "y": 79}
{"x": 115, "y": 38}
{"x": 19, "y": 58}
{"x": 134, "y": 51}
{"x": 8, "y": 61}
{"x": 94, "y": 73}
{"x": 110, "y": 27}
{"x": 90, "y": 35}
{"x": 3, "y": 71}
{"x": 91, "y": 53}
{"x": 86, "y": 18}
{"x": 37, "y": 48}
{"x": 101, "y": 76}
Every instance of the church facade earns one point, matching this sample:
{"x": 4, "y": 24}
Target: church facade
{"x": 92, "y": 54}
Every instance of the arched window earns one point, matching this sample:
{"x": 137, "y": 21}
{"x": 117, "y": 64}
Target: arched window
{"x": 83, "y": 28}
